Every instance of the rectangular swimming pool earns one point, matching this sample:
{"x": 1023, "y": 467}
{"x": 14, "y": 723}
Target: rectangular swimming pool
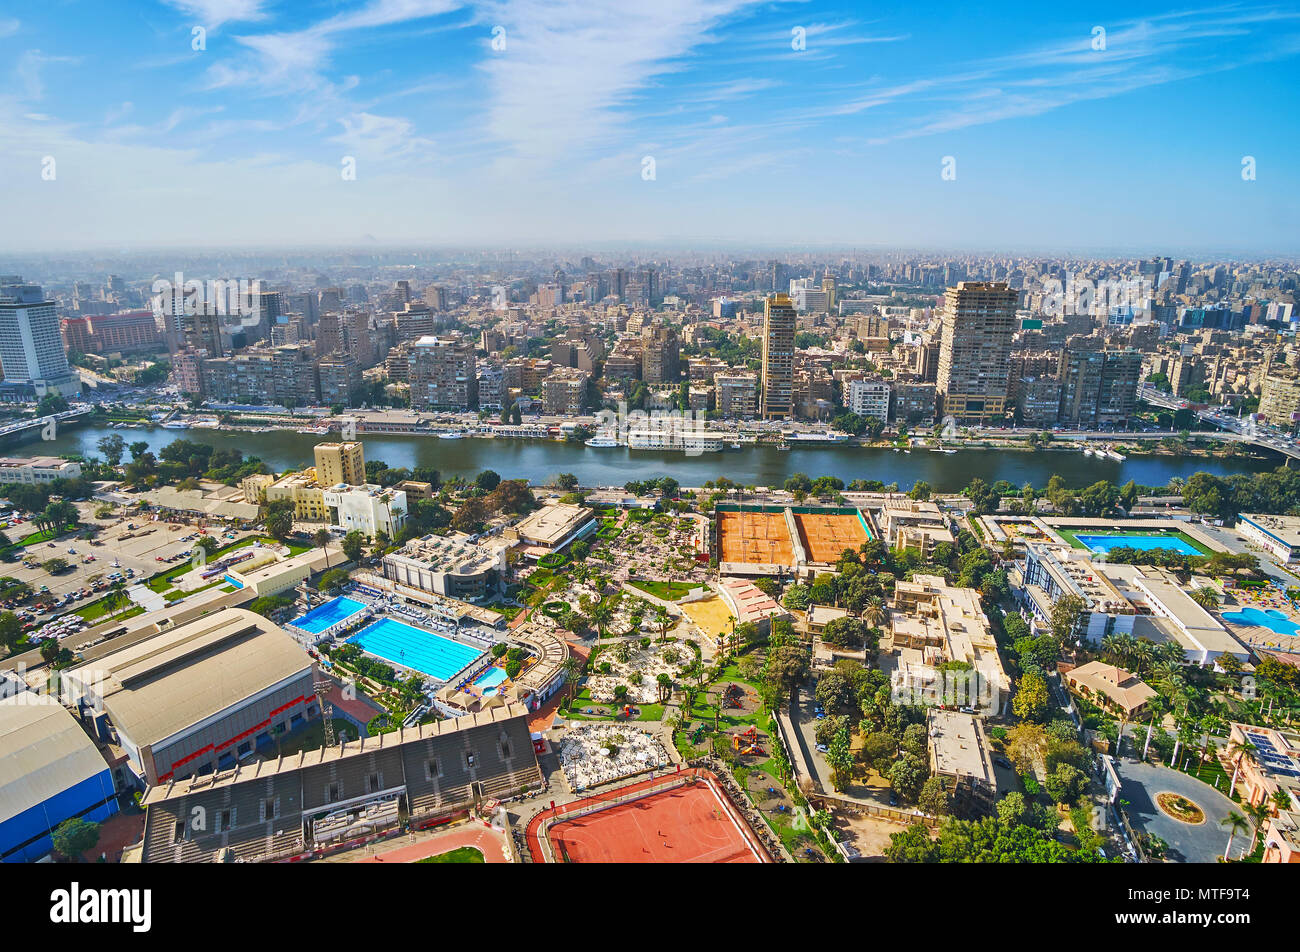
{"x": 328, "y": 615}
{"x": 412, "y": 647}
{"x": 1143, "y": 543}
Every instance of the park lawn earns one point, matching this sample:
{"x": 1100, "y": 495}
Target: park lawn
{"x": 35, "y": 538}
{"x": 97, "y": 611}
{"x": 463, "y": 854}
{"x": 607, "y": 710}
{"x": 668, "y": 591}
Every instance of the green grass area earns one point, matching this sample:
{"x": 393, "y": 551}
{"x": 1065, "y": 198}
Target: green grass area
{"x": 36, "y": 538}
{"x": 97, "y": 611}
{"x": 668, "y": 591}
{"x": 464, "y": 854}
{"x": 1069, "y": 536}
{"x": 608, "y": 711}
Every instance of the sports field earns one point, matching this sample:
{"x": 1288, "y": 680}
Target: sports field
{"x": 688, "y": 824}
{"x": 756, "y": 538}
{"x": 826, "y": 535}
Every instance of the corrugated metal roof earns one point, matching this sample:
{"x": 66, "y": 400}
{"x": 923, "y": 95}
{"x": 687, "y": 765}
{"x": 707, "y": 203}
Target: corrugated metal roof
{"x": 43, "y": 752}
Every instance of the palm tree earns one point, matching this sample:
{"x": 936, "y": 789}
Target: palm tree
{"x": 664, "y": 621}
{"x": 1206, "y": 597}
{"x": 572, "y": 668}
{"x": 873, "y": 613}
{"x": 1157, "y": 708}
{"x": 601, "y": 614}
{"x": 320, "y": 538}
{"x": 1236, "y": 823}
{"x": 1259, "y": 815}
{"x": 1237, "y": 753}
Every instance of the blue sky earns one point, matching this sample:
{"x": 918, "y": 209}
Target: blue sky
{"x": 1058, "y": 146}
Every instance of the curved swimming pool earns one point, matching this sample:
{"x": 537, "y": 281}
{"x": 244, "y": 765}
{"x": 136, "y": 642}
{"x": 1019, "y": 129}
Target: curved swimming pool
{"x": 1270, "y": 618}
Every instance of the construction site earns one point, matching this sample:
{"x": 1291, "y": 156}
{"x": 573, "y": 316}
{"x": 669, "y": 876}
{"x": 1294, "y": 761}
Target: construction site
{"x": 755, "y": 540}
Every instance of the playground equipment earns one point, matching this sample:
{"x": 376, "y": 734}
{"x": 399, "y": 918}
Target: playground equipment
{"x": 746, "y": 742}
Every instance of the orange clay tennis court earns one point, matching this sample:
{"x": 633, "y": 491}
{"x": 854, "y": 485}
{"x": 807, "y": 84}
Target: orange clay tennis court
{"x": 756, "y": 538}
{"x": 686, "y": 824}
{"x": 826, "y": 535}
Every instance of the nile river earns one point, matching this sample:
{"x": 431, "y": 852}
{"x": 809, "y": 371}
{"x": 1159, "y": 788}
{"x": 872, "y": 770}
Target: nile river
{"x": 540, "y": 460}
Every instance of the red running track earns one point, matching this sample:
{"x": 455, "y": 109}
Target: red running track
{"x": 691, "y": 823}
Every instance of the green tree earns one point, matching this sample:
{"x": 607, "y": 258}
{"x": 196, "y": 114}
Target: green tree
{"x": 1032, "y": 701}
{"x": 354, "y": 545}
{"x": 73, "y": 837}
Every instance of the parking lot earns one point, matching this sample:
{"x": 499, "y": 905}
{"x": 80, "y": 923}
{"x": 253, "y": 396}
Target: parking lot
{"x": 127, "y": 547}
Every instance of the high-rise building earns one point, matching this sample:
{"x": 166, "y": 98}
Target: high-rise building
{"x": 979, "y": 320}
{"x": 779, "y": 322}
{"x": 661, "y": 355}
{"x": 31, "y": 347}
{"x": 737, "y": 395}
{"x": 340, "y": 463}
{"x": 869, "y": 398}
{"x": 442, "y": 373}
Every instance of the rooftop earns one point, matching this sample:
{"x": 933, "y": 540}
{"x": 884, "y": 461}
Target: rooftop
{"x": 957, "y": 747}
{"x": 43, "y": 751}
{"x": 170, "y": 681}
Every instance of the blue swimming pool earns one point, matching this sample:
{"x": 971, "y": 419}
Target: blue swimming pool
{"x": 490, "y": 680}
{"x": 1143, "y": 543}
{"x": 326, "y": 616}
{"x": 1275, "y": 621}
{"x": 415, "y": 648}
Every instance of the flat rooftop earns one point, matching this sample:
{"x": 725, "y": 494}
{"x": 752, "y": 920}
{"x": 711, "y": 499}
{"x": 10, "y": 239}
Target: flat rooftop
{"x": 957, "y": 747}
{"x": 165, "y": 683}
{"x": 1285, "y": 529}
{"x": 551, "y": 525}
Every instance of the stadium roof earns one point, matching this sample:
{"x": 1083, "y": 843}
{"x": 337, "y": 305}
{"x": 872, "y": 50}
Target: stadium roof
{"x": 261, "y": 769}
{"x": 43, "y": 752}
{"x": 170, "y": 681}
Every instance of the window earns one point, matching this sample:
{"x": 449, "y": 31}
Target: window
{"x": 269, "y": 811}
{"x": 432, "y": 769}
{"x": 178, "y": 833}
{"x": 333, "y": 793}
{"x": 505, "y": 748}
{"x": 469, "y": 759}
{"x": 223, "y": 820}
{"x": 372, "y": 783}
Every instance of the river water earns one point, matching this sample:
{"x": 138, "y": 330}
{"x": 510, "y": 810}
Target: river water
{"x": 540, "y": 460}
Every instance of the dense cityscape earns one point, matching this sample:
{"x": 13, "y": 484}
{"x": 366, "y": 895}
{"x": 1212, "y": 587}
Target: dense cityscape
{"x": 506, "y": 546}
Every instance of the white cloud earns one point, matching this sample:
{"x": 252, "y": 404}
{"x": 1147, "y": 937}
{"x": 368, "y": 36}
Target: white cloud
{"x": 213, "y": 13}
{"x": 9, "y": 26}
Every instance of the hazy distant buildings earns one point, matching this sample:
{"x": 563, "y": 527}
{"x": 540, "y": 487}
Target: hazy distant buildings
{"x": 129, "y": 332}
{"x": 979, "y": 321}
{"x": 779, "y": 322}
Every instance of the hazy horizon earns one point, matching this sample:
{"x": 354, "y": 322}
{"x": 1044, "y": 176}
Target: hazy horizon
{"x": 364, "y": 124}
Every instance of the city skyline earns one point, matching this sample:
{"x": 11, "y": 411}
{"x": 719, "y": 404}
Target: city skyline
{"x": 774, "y": 124}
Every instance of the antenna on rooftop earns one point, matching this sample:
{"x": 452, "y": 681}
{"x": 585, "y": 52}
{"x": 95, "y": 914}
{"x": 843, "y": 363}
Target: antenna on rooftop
{"x": 322, "y": 688}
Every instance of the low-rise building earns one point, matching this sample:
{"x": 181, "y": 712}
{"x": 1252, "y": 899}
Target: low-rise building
{"x": 913, "y": 524}
{"x": 37, "y": 469}
{"x": 368, "y": 508}
{"x": 1277, "y": 535}
{"x": 455, "y": 565}
{"x": 1111, "y": 687}
{"x": 959, "y": 752}
{"x": 552, "y": 527}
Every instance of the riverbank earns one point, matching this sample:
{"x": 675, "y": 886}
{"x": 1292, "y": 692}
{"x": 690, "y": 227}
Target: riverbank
{"x": 540, "y": 461}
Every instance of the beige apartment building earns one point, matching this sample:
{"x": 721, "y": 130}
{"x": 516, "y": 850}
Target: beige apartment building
{"x": 979, "y": 321}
